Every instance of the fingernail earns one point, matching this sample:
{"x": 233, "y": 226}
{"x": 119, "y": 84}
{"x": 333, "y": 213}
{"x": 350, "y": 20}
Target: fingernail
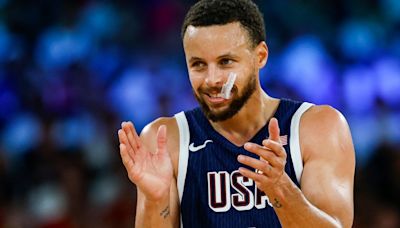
{"x": 240, "y": 158}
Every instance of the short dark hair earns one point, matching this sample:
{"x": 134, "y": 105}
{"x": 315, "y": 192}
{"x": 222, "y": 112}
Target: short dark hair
{"x": 221, "y": 12}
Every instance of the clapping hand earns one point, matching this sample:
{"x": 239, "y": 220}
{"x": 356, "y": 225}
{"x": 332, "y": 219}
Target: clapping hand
{"x": 150, "y": 170}
{"x": 271, "y": 166}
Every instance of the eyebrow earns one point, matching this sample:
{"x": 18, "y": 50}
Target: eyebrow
{"x": 193, "y": 59}
{"x": 228, "y": 55}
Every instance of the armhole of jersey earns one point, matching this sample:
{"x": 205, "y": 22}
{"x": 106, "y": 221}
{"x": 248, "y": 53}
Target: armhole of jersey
{"x": 295, "y": 150}
{"x": 184, "y": 136}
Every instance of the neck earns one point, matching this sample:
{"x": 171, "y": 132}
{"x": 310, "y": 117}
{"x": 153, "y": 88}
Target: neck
{"x": 249, "y": 120}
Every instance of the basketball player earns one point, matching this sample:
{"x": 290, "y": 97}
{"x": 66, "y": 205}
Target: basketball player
{"x": 245, "y": 159}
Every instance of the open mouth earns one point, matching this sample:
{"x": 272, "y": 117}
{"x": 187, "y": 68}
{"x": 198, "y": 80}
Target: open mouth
{"x": 215, "y": 98}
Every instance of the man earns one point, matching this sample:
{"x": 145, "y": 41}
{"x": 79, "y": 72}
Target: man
{"x": 244, "y": 160}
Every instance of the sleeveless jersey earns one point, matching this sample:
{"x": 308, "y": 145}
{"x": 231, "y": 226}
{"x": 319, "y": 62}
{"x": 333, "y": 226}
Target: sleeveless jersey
{"x": 212, "y": 192}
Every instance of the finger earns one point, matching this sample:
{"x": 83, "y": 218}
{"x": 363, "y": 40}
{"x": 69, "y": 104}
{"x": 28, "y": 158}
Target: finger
{"x": 133, "y": 139}
{"x": 275, "y": 147}
{"x": 268, "y": 156}
{"x": 162, "y": 140}
{"x": 257, "y": 164}
{"x": 126, "y": 159}
{"x": 273, "y": 129}
{"x": 131, "y": 168}
{"x": 252, "y": 175}
{"x": 263, "y": 152}
{"x": 123, "y": 139}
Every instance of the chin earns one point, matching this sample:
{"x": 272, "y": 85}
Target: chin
{"x": 217, "y": 111}
{"x": 218, "y": 107}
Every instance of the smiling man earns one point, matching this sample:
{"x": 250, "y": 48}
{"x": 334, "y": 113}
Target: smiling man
{"x": 244, "y": 159}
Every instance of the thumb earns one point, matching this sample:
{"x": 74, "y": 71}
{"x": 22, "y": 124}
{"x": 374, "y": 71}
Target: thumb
{"x": 274, "y": 130}
{"x": 162, "y": 140}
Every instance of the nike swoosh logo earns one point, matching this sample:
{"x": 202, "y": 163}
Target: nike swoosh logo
{"x": 196, "y": 148}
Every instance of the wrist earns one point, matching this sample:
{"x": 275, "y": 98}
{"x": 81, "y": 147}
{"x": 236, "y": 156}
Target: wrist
{"x": 156, "y": 201}
{"x": 161, "y": 207}
{"x": 280, "y": 191}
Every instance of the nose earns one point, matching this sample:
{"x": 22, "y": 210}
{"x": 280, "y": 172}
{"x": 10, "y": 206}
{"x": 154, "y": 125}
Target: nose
{"x": 214, "y": 77}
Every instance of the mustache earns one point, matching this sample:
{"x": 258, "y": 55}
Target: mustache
{"x": 215, "y": 89}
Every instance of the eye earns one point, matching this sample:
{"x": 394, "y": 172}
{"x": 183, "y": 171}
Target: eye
{"x": 198, "y": 64}
{"x": 226, "y": 62}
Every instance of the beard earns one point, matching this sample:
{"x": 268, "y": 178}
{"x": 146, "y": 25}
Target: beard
{"x": 238, "y": 100}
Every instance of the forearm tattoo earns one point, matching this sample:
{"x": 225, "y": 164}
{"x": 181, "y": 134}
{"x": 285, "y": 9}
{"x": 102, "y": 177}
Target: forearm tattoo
{"x": 165, "y": 213}
{"x": 276, "y": 203}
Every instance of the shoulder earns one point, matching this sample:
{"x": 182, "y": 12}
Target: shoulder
{"x": 152, "y": 128}
{"x": 323, "y": 114}
{"x": 324, "y": 126}
{"x": 149, "y": 132}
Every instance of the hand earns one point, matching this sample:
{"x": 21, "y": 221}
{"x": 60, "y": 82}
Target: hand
{"x": 151, "y": 171}
{"x": 271, "y": 165}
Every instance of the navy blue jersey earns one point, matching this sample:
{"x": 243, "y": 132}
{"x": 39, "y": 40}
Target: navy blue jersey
{"x": 212, "y": 192}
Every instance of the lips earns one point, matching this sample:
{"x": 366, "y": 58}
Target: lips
{"x": 215, "y": 99}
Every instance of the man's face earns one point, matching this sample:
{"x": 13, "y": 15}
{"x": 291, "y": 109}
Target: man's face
{"x": 212, "y": 52}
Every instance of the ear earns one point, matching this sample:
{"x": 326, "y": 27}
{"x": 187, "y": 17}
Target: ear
{"x": 262, "y": 54}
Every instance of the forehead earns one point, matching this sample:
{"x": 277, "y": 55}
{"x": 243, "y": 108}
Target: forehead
{"x": 215, "y": 38}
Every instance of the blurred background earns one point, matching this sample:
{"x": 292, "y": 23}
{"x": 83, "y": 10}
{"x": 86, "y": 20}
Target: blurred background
{"x": 72, "y": 71}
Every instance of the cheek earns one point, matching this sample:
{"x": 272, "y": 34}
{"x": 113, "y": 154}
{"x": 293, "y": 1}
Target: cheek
{"x": 243, "y": 79}
{"x": 195, "y": 80}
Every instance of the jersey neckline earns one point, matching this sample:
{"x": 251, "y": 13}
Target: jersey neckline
{"x": 257, "y": 138}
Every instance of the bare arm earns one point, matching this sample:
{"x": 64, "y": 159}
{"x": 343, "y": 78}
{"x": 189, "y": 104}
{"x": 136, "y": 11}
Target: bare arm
{"x": 326, "y": 195}
{"x": 163, "y": 213}
{"x": 150, "y": 166}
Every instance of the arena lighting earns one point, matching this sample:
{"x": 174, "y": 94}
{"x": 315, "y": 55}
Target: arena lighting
{"x": 132, "y": 92}
{"x": 391, "y": 9}
{"x": 22, "y": 133}
{"x": 5, "y": 43}
{"x": 59, "y": 48}
{"x": 305, "y": 64}
{"x": 359, "y": 89}
{"x": 387, "y": 72}
{"x": 357, "y": 39}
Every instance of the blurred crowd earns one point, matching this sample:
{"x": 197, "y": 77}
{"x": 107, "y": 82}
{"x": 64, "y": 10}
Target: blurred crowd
{"x": 72, "y": 71}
